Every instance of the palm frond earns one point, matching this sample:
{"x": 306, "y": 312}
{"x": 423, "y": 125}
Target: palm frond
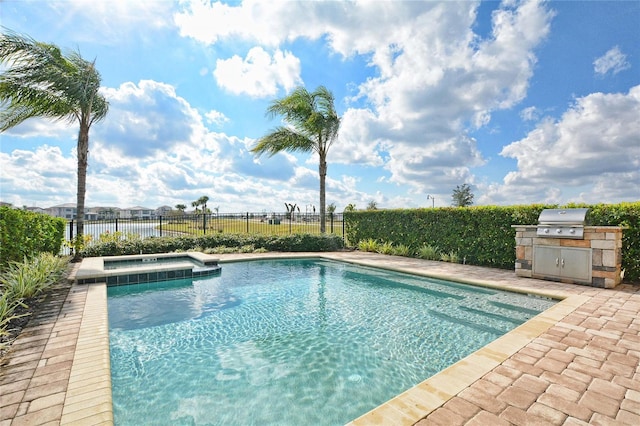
{"x": 42, "y": 82}
{"x": 282, "y": 139}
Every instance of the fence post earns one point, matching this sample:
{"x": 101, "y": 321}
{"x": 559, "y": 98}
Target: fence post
{"x": 116, "y": 224}
{"x": 204, "y": 223}
{"x": 247, "y": 222}
{"x": 331, "y": 220}
{"x": 161, "y": 225}
{"x": 71, "y": 237}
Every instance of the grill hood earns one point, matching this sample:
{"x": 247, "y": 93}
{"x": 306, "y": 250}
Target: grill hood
{"x": 562, "y": 223}
{"x": 562, "y": 217}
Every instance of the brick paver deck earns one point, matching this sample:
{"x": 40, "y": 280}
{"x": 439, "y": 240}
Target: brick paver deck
{"x": 583, "y": 370}
{"x": 576, "y": 364}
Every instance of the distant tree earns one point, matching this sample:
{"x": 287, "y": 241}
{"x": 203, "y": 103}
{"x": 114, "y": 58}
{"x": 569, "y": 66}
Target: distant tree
{"x": 37, "y": 80}
{"x": 203, "y": 202}
{"x": 290, "y": 210}
{"x": 462, "y": 196}
{"x": 108, "y": 213}
{"x": 181, "y": 207}
{"x": 373, "y": 205}
{"x": 195, "y": 205}
{"x": 312, "y": 126}
{"x": 350, "y": 207}
{"x": 331, "y": 208}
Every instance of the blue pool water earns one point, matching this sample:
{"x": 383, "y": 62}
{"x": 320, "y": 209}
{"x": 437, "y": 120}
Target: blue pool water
{"x": 291, "y": 341}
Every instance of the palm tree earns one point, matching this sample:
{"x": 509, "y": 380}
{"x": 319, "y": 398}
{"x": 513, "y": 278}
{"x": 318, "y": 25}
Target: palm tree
{"x": 350, "y": 207}
{"x": 312, "y": 126}
{"x": 39, "y": 81}
{"x": 181, "y": 208}
{"x": 203, "y": 202}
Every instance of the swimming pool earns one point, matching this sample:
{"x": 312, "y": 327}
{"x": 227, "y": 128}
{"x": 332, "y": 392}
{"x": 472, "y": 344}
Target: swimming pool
{"x": 295, "y": 341}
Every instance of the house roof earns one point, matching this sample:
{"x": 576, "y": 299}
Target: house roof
{"x": 138, "y": 208}
{"x": 64, "y": 206}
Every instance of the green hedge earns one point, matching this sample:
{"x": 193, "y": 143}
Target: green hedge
{"x": 293, "y": 242}
{"x": 483, "y": 235}
{"x": 24, "y": 234}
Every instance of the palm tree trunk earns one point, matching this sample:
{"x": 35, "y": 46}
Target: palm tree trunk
{"x": 83, "y": 154}
{"x": 322, "y": 171}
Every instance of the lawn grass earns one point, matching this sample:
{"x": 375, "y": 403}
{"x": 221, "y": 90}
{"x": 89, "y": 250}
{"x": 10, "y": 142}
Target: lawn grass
{"x": 251, "y": 226}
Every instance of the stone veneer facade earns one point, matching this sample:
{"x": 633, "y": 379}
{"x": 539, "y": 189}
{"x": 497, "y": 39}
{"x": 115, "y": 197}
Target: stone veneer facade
{"x": 605, "y": 243}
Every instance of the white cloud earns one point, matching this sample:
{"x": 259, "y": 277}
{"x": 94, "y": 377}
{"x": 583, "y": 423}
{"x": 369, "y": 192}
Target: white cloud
{"x": 216, "y": 117}
{"x": 45, "y": 172}
{"x": 613, "y": 61}
{"x": 268, "y": 23}
{"x": 594, "y": 145}
{"x": 259, "y": 74}
{"x": 530, "y": 114}
{"x": 357, "y": 125}
{"x": 147, "y": 119}
{"x": 44, "y": 127}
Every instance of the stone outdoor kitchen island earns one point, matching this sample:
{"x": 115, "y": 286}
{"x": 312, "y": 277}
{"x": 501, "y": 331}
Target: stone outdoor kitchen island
{"x": 595, "y": 260}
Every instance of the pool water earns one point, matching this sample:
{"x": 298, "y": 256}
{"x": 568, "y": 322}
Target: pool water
{"x": 292, "y": 341}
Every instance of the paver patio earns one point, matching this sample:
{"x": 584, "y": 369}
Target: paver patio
{"x": 576, "y": 364}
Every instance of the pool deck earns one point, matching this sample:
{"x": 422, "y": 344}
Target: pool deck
{"x": 577, "y": 363}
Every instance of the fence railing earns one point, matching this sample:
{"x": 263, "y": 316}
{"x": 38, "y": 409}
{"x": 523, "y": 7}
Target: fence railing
{"x": 203, "y": 224}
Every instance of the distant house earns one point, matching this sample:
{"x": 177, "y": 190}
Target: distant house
{"x": 69, "y": 211}
{"x": 137, "y": 212}
{"x": 35, "y": 209}
{"x": 164, "y": 211}
{"x": 66, "y": 211}
{"x": 106, "y": 213}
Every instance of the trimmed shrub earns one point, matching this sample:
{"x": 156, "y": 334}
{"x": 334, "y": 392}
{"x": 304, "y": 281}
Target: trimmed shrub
{"x": 239, "y": 242}
{"x": 24, "y": 234}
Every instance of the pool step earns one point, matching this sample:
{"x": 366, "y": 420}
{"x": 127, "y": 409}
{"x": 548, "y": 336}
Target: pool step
{"x": 515, "y": 321}
{"x": 467, "y": 323}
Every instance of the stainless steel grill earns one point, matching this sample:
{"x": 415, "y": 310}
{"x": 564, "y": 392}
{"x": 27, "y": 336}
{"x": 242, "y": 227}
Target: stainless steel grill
{"x": 562, "y": 223}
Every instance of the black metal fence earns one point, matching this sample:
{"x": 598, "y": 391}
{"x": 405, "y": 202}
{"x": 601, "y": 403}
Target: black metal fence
{"x": 203, "y": 224}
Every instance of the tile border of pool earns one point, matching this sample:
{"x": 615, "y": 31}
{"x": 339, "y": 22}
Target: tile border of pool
{"x": 183, "y": 265}
{"x": 91, "y": 365}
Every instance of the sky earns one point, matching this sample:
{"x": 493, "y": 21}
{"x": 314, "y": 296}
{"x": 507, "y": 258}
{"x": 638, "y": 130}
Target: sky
{"x": 525, "y": 101}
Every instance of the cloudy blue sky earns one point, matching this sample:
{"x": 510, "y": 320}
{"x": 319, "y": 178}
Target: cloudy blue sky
{"x": 526, "y": 101}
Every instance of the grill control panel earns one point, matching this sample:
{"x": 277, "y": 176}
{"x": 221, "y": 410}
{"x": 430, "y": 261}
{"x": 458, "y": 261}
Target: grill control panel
{"x": 576, "y": 232}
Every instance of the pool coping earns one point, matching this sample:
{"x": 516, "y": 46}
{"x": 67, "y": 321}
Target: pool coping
{"x": 88, "y": 395}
